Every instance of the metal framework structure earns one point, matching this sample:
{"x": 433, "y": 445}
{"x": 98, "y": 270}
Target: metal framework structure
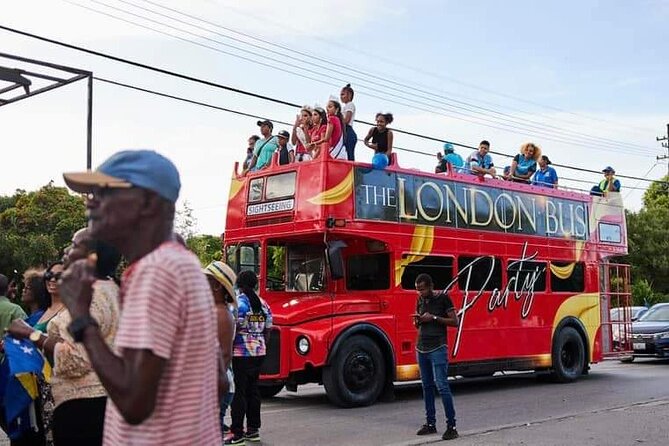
{"x": 17, "y": 84}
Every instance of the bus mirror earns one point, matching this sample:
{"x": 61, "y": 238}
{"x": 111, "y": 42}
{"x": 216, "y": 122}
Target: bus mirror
{"x": 336, "y": 259}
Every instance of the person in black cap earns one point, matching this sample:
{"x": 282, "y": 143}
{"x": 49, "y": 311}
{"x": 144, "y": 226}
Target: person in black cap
{"x": 265, "y": 146}
{"x": 546, "y": 176}
{"x": 609, "y": 184}
{"x": 286, "y": 155}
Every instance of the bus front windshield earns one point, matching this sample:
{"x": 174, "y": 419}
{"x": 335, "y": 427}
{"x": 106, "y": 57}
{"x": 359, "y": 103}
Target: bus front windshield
{"x": 295, "y": 267}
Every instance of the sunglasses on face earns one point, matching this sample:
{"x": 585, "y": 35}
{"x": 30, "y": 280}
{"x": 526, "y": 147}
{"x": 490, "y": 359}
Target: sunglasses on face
{"x": 50, "y": 276}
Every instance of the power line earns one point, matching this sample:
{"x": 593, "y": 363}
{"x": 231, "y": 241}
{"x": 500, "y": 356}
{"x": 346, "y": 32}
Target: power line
{"x": 255, "y": 116}
{"x": 439, "y": 76}
{"x": 255, "y": 95}
{"x": 349, "y": 69}
{"x": 548, "y": 134}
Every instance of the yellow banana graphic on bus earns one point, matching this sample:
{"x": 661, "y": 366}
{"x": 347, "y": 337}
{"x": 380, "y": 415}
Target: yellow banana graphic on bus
{"x": 336, "y": 194}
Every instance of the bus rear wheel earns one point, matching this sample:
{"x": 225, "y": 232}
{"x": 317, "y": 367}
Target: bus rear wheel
{"x": 568, "y": 355}
{"x": 356, "y": 374}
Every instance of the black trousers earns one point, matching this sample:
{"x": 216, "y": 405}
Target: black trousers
{"x": 246, "y": 402}
{"x": 79, "y": 422}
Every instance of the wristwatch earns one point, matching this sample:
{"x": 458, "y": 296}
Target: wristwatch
{"x": 35, "y": 336}
{"x": 78, "y": 325}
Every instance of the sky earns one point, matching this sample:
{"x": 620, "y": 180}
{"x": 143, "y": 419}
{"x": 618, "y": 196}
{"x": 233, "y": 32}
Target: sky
{"x": 584, "y": 79}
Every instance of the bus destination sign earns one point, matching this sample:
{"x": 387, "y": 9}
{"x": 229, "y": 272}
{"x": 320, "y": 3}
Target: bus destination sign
{"x": 389, "y": 196}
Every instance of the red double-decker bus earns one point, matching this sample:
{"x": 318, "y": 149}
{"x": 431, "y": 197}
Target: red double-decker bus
{"x": 337, "y": 246}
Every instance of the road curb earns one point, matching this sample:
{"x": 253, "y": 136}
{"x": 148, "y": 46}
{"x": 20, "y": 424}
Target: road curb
{"x": 502, "y": 427}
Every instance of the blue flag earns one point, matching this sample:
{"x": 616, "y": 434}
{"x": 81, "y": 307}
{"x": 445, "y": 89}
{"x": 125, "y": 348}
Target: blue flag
{"x": 23, "y": 363}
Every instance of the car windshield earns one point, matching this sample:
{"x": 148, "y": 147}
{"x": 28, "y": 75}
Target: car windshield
{"x": 656, "y": 314}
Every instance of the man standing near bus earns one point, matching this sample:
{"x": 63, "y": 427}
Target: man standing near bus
{"x": 434, "y": 312}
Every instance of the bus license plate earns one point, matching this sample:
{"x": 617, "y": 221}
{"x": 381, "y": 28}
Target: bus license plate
{"x": 639, "y": 346}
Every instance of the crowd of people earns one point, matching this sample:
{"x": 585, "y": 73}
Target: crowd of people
{"x": 135, "y": 363}
{"x": 317, "y": 130}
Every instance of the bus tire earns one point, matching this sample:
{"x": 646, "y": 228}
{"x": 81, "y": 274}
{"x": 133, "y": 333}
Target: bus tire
{"x": 357, "y": 373}
{"x": 269, "y": 390}
{"x": 568, "y": 355}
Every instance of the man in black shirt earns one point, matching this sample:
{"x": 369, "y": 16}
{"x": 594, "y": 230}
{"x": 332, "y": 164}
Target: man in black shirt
{"x": 434, "y": 312}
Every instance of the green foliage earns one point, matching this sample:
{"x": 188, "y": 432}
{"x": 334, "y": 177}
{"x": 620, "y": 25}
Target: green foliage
{"x": 657, "y": 195}
{"x": 642, "y": 293}
{"x": 648, "y": 242}
{"x": 36, "y": 226}
{"x": 185, "y": 222}
{"x": 207, "y": 248}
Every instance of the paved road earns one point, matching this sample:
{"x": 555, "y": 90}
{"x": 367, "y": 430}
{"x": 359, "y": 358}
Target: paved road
{"x": 616, "y": 404}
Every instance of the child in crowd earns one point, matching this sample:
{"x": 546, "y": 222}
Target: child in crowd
{"x": 348, "y": 112}
{"x": 300, "y": 136}
{"x": 317, "y": 133}
{"x": 380, "y": 139}
{"x": 286, "y": 155}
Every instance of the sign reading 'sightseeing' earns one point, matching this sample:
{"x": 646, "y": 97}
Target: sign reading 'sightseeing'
{"x": 388, "y": 196}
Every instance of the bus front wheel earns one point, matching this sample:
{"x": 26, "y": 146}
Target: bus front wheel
{"x": 568, "y": 355}
{"x": 356, "y": 374}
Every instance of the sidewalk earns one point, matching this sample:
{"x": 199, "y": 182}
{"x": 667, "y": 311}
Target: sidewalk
{"x": 641, "y": 423}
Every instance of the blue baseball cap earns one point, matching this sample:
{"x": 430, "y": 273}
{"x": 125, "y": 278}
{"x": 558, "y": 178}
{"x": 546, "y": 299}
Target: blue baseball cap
{"x": 130, "y": 168}
{"x": 609, "y": 169}
{"x": 448, "y": 147}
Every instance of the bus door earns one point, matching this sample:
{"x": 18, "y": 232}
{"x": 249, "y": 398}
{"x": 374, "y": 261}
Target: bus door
{"x": 616, "y": 310}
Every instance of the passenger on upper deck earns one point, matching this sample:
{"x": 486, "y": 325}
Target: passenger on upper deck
{"x": 264, "y": 147}
{"x": 440, "y": 157}
{"x": 381, "y": 140}
{"x": 480, "y": 161}
{"x": 609, "y": 184}
{"x": 249, "y": 151}
{"x": 348, "y": 112}
{"x": 300, "y": 136}
{"x": 451, "y": 158}
{"x": 546, "y": 176}
{"x": 317, "y": 133}
{"x": 286, "y": 155}
{"x": 333, "y": 139}
{"x": 524, "y": 164}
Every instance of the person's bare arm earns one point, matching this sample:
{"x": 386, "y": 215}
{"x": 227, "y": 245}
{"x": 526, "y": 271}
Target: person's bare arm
{"x": 390, "y": 143}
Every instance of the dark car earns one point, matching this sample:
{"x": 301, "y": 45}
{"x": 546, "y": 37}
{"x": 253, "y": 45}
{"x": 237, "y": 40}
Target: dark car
{"x": 650, "y": 334}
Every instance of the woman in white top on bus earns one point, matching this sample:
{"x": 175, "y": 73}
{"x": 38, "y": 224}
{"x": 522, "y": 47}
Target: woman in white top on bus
{"x": 300, "y": 137}
{"x": 348, "y": 112}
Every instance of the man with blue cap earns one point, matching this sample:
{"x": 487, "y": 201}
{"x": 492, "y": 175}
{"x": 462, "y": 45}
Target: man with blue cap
{"x": 452, "y": 158}
{"x": 609, "y": 184}
{"x": 162, "y": 375}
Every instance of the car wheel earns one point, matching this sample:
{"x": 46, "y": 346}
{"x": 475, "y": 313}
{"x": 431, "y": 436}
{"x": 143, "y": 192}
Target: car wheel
{"x": 268, "y": 391}
{"x": 356, "y": 374}
{"x": 627, "y": 360}
{"x": 568, "y": 355}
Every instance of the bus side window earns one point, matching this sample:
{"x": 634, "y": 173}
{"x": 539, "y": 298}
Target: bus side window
{"x": 306, "y": 268}
{"x": 243, "y": 257}
{"x": 531, "y": 274}
{"x": 368, "y": 272}
{"x": 565, "y": 280}
{"x": 440, "y": 268}
{"x": 480, "y": 268}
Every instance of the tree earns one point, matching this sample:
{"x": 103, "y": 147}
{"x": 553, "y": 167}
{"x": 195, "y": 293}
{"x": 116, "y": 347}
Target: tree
{"x": 36, "y": 226}
{"x": 207, "y": 248}
{"x": 185, "y": 223}
{"x": 647, "y": 232}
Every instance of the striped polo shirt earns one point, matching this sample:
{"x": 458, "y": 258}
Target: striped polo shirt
{"x": 167, "y": 307}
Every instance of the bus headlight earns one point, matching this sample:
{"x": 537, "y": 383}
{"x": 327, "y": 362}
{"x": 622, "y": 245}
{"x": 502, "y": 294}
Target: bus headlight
{"x": 664, "y": 335}
{"x": 303, "y": 345}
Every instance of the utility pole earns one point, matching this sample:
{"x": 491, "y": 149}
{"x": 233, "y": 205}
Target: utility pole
{"x": 665, "y": 145}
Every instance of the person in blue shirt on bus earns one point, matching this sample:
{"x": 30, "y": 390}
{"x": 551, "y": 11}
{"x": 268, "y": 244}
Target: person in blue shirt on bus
{"x": 480, "y": 161}
{"x": 546, "y": 176}
{"x": 609, "y": 184}
{"x": 450, "y": 157}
